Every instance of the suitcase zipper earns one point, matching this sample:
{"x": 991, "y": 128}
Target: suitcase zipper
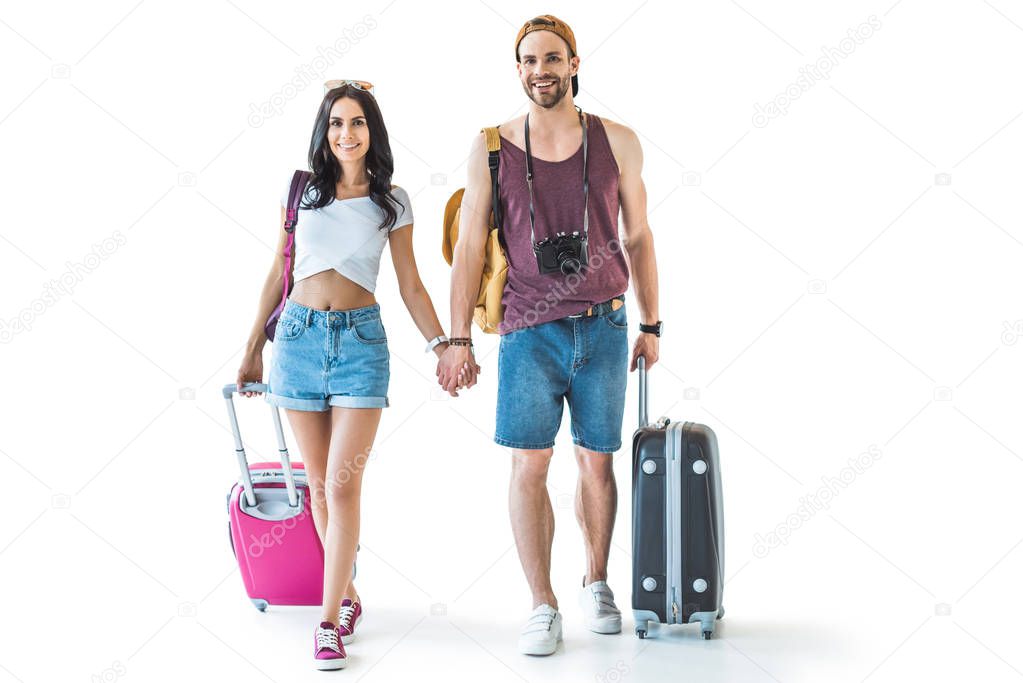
{"x": 673, "y": 504}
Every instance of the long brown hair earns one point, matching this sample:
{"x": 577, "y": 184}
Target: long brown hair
{"x": 326, "y": 170}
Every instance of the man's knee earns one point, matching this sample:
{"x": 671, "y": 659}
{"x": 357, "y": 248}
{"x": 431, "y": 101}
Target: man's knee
{"x": 594, "y": 465}
{"x": 530, "y": 466}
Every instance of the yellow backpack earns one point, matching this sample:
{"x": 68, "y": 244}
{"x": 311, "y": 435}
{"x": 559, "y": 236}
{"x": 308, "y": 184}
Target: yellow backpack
{"x": 489, "y": 309}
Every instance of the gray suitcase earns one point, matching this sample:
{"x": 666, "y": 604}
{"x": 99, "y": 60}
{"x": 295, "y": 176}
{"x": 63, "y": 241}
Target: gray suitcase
{"x": 677, "y": 522}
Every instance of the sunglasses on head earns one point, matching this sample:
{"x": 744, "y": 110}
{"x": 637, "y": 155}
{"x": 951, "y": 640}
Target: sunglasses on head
{"x": 365, "y": 86}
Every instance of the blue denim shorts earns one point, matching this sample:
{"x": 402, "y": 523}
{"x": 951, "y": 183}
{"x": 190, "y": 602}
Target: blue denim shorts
{"x": 582, "y": 360}
{"x": 329, "y": 358}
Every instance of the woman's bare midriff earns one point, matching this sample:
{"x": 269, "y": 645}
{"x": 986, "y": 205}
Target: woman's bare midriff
{"x": 331, "y": 291}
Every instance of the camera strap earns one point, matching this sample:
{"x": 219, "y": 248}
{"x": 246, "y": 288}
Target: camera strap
{"x": 586, "y": 180}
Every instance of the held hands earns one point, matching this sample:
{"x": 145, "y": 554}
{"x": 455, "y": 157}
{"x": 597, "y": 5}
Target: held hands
{"x": 457, "y": 369}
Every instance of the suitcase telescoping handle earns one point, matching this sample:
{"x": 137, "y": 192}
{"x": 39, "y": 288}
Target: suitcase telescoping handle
{"x": 641, "y": 366}
{"x": 239, "y": 449}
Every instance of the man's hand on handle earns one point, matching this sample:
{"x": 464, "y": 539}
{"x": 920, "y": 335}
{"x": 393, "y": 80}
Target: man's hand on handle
{"x": 647, "y": 345}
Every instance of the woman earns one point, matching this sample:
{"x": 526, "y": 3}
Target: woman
{"x": 329, "y": 367}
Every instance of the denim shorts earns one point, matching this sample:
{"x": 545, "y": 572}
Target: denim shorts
{"x": 582, "y": 360}
{"x": 329, "y": 358}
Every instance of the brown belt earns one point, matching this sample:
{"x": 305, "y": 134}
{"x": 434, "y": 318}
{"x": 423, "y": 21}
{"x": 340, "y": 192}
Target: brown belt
{"x": 603, "y": 307}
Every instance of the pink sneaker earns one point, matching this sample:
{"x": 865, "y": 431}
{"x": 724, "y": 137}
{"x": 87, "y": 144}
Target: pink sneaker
{"x": 329, "y": 652}
{"x": 348, "y": 618}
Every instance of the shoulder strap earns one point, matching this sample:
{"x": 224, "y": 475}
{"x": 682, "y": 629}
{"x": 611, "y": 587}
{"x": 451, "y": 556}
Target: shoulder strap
{"x": 493, "y": 139}
{"x": 298, "y": 185}
{"x": 493, "y": 161}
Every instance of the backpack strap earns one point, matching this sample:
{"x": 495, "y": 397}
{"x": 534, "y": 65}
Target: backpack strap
{"x": 493, "y": 161}
{"x": 298, "y": 185}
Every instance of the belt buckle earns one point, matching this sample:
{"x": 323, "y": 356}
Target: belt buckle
{"x": 589, "y": 312}
{"x": 584, "y": 314}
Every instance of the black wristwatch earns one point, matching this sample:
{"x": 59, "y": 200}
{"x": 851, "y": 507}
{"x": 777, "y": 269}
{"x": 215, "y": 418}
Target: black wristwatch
{"x": 652, "y": 329}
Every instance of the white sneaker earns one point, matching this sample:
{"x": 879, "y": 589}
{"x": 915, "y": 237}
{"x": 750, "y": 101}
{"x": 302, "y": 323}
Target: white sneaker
{"x": 600, "y": 613}
{"x": 542, "y": 632}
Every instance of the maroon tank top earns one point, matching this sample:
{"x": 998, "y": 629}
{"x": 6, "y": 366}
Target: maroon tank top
{"x": 529, "y": 297}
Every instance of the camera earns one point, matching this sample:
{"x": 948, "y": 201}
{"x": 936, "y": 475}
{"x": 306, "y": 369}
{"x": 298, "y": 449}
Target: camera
{"x": 564, "y": 253}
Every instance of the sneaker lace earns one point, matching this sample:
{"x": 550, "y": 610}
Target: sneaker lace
{"x": 327, "y": 638}
{"x": 345, "y": 616}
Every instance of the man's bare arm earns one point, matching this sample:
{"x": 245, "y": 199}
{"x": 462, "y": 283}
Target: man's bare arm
{"x": 458, "y": 362}
{"x": 638, "y": 241}
{"x": 473, "y": 231}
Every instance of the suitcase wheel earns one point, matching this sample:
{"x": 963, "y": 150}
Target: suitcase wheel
{"x": 260, "y": 604}
{"x": 641, "y": 633}
{"x": 721, "y": 612}
{"x": 706, "y": 635}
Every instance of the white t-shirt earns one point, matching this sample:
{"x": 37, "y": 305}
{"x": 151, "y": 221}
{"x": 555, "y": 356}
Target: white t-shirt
{"x": 344, "y": 236}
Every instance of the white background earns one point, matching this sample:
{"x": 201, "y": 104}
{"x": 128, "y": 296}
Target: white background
{"x": 825, "y": 291}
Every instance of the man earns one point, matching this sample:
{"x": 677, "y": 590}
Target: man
{"x": 564, "y": 332}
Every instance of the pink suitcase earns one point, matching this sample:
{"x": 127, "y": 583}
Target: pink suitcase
{"x": 271, "y": 525}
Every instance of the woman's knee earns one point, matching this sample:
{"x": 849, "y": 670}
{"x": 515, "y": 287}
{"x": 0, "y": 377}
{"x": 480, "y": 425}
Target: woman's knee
{"x": 342, "y": 489}
{"x": 317, "y": 492}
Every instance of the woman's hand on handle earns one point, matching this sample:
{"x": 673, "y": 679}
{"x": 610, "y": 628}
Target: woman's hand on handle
{"x": 251, "y": 370}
